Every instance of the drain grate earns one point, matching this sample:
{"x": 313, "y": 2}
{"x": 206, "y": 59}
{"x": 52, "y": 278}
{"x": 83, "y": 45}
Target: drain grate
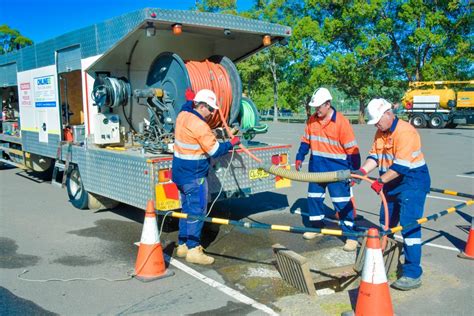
{"x": 294, "y": 269}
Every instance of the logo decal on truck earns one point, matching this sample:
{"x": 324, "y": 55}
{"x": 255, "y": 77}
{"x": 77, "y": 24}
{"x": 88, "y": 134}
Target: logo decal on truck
{"x": 45, "y": 94}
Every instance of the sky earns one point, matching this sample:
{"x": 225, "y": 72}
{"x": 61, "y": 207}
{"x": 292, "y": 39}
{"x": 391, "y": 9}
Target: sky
{"x": 41, "y": 20}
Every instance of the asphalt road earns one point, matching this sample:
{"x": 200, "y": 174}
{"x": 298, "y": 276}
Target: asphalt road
{"x": 42, "y": 233}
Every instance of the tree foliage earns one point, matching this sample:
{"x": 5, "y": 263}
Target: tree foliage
{"x": 11, "y": 40}
{"x": 359, "y": 49}
{"x": 224, "y": 6}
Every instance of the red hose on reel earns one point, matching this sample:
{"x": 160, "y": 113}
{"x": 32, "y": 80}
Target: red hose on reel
{"x": 212, "y": 76}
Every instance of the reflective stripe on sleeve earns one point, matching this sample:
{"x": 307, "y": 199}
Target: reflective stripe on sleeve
{"x": 316, "y": 218}
{"x": 214, "y": 149}
{"x": 385, "y": 156}
{"x": 350, "y": 144}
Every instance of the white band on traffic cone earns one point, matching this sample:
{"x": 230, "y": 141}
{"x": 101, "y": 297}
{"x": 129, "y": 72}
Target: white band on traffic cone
{"x": 374, "y": 270}
{"x": 150, "y": 231}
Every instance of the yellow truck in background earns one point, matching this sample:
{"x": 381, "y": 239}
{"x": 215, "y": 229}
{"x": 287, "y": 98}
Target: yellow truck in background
{"x": 439, "y": 104}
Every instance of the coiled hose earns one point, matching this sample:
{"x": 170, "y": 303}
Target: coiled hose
{"x": 209, "y": 75}
{"x": 249, "y": 117}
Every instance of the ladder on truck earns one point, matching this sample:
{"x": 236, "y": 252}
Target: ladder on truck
{"x": 60, "y": 165}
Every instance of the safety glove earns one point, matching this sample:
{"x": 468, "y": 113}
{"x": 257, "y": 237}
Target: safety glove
{"x": 298, "y": 165}
{"x": 235, "y": 141}
{"x": 189, "y": 94}
{"x": 359, "y": 172}
{"x": 377, "y": 185}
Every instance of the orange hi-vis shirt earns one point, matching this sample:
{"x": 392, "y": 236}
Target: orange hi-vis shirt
{"x": 399, "y": 149}
{"x": 194, "y": 145}
{"x": 332, "y": 144}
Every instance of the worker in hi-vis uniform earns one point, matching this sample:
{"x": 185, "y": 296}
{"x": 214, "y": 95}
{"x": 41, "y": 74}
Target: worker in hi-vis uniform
{"x": 330, "y": 140}
{"x": 404, "y": 179}
{"x": 194, "y": 145}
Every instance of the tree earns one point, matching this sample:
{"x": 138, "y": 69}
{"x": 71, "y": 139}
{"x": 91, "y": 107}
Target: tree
{"x": 271, "y": 64}
{"x": 346, "y": 50}
{"x": 223, "y": 6}
{"x": 11, "y": 40}
{"x": 430, "y": 40}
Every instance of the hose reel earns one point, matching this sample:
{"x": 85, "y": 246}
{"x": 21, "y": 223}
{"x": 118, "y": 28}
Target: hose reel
{"x": 110, "y": 91}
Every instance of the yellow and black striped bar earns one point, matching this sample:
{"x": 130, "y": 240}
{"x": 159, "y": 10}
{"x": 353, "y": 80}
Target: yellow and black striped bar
{"x": 292, "y": 229}
{"x": 428, "y": 218}
{"x": 447, "y": 192}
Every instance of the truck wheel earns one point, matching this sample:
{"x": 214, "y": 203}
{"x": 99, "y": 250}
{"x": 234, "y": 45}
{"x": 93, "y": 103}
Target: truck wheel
{"x": 418, "y": 120}
{"x": 451, "y": 125}
{"x": 436, "y": 121}
{"x": 75, "y": 189}
{"x": 99, "y": 202}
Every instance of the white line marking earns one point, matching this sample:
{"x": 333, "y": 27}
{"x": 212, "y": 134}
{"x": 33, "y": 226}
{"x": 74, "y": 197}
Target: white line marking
{"x": 442, "y": 198}
{"x": 463, "y": 176}
{"x": 433, "y": 245}
{"x": 221, "y": 287}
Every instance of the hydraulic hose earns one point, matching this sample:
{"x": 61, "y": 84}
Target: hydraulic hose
{"x": 318, "y": 177}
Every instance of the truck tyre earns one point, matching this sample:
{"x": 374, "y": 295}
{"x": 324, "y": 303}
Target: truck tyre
{"x": 418, "y": 120}
{"x": 451, "y": 125}
{"x": 78, "y": 196}
{"x": 99, "y": 202}
{"x": 436, "y": 121}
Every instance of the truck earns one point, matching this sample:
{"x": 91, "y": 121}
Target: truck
{"x": 439, "y": 104}
{"x": 95, "y": 108}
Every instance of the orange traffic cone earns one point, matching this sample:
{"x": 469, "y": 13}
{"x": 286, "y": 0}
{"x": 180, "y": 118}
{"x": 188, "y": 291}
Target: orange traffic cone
{"x": 150, "y": 263}
{"x": 374, "y": 294}
{"x": 468, "y": 252}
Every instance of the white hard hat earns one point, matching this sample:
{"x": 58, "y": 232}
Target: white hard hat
{"x": 208, "y": 97}
{"x": 320, "y": 96}
{"x": 376, "y": 108}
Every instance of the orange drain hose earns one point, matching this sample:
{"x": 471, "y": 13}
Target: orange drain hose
{"x": 385, "y": 208}
{"x": 212, "y": 76}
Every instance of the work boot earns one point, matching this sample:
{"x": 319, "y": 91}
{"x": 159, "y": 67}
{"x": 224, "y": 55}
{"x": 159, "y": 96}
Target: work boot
{"x": 310, "y": 235}
{"x": 406, "y": 283}
{"x": 182, "y": 251}
{"x": 196, "y": 255}
{"x": 351, "y": 245}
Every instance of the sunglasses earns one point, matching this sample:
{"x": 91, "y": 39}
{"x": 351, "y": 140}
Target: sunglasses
{"x": 210, "y": 108}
